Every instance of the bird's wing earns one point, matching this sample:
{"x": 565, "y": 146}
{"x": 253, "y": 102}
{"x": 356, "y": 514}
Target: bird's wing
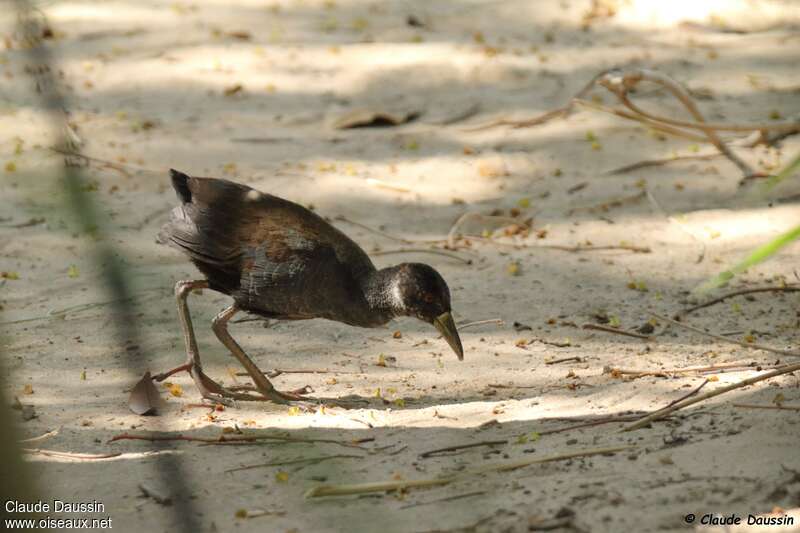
{"x": 246, "y": 241}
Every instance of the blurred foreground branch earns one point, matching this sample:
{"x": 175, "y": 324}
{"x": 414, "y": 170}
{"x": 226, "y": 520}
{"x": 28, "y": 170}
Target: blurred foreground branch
{"x": 33, "y": 27}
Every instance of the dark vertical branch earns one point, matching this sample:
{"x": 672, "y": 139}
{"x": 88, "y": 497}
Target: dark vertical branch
{"x": 32, "y": 26}
{"x": 16, "y": 482}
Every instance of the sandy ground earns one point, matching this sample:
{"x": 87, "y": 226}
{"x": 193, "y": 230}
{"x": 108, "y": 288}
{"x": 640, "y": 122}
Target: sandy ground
{"x": 153, "y": 85}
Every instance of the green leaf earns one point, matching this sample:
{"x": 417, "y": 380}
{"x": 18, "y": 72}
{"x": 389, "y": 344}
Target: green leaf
{"x": 787, "y": 171}
{"x": 760, "y": 254}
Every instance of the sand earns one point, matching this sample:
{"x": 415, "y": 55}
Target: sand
{"x": 251, "y": 91}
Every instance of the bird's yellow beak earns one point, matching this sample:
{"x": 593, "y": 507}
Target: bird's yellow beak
{"x": 444, "y": 323}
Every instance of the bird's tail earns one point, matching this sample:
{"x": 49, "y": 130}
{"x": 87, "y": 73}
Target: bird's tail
{"x": 179, "y": 224}
{"x": 180, "y": 182}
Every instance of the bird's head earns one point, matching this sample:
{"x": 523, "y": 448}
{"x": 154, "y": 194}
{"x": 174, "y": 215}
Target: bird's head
{"x": 419, "y": 291}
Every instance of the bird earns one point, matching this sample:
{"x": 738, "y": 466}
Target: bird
{"x": 279, "y": 260}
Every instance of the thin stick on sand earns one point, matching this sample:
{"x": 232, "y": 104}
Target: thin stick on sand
{"x": 458, "y": 447}
{"x": 422, "y": 251}
{"x": 722, "y": 298}
{"x": 661, "y": 413}
{"x": 382, "y": 486}
{"x": 472, "y": 215}
{"x": 498, "y": 321}
{"x": 47, "y": 435}
{"x": 616, "y": 331}
{"x": 776, "y": 407}
{"x": 233, "y": 439}
{"x": 750, "y": 345}
{"x": 716, "y": 369}
{"x": 621, "y": 81}
{"x": 71, "y": 455}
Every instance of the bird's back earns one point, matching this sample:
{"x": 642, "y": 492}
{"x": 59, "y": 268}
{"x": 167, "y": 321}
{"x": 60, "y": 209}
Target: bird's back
{"x": 276, "y": 258}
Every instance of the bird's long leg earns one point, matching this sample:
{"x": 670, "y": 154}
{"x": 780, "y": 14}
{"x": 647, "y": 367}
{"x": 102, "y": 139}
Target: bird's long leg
{"x": 262, "y": 384}
{"x": 208, "y": 388}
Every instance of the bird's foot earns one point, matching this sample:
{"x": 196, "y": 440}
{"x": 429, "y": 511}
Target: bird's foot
{"x": 203, "y": 382}
{"x": 186, "y": 367}
{"x": 301, "y": 392}
{"x": 298, "y": 398}
{"x": 208, "y": 388}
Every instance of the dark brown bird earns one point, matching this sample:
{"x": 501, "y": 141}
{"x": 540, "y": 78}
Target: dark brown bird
{"x": 279, "y": 260}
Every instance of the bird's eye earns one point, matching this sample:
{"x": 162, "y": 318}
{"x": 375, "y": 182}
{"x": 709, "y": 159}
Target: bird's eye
{"x": 428, "y": 297}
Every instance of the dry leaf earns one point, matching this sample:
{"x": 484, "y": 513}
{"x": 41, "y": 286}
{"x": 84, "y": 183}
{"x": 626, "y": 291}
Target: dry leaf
{"x": 144, "y": 398}
{"x": 233, "y": 89}
{"x": 240, "y": 34}
{"x": 374, "y": 118}
{"x": 174, "y": 389}
{"x": 386, "y": 185}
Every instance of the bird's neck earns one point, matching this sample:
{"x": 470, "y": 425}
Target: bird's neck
{"x": 382, "y": 295}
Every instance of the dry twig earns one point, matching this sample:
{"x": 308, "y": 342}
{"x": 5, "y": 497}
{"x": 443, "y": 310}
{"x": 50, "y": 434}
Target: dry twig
{"x": 122, "y": 168}
{"x": 591, "y": 423}
{"x": 382, "y": 486}
{"x": 715, "y": 369}
{"x": 451, "y": 240}
{"x": 687, "y": 395}
{"x": 616, "y": 331}
{"x": 70, "y": 455}
{"x": 498, "y": 321}
{"x": 783, "y": 288}
{"x": 661, "y": 413}
{"x": 620, "y": 82}
{"x": 563, "y": 360}
{"x": 342, "y": 218}
{"x": 42, "y": 437}
{"x": 309, "y": 460}
{"x": 278, "y": 371}
{"x": 472, "y": 215}
{"x": 431, "y": 453}
{"x": 441, "y": 500}
{"x": 759, "y": 406}
{"x": 235, "y": 439}
{"x": 607, "y": 204}
{"x": 647, "y": 122}
{"x": 422, "y": 251}
{"x": 750, "y": 345}
{"x": 647, "y": 163}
